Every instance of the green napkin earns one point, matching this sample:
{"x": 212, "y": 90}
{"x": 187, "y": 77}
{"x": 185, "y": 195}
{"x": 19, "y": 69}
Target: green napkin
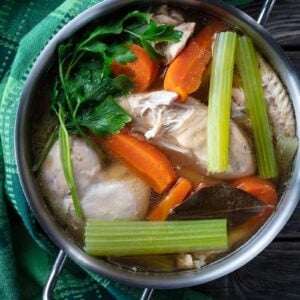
{"x": 26, "y": 254}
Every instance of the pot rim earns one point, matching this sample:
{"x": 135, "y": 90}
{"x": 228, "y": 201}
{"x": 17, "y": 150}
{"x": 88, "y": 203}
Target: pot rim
{"x": 180, "y": 279}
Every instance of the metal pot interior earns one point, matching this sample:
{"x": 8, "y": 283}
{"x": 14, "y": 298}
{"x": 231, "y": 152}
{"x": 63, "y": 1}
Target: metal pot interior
{"x": 179, "y": 279}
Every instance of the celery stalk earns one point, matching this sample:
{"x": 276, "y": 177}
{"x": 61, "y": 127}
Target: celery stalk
{"x": 220, "y": 92}
{"x": 143, "y": 238}
{"x": 257, "y": 107}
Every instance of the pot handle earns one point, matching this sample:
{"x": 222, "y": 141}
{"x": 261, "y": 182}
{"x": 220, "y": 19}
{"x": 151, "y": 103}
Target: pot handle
{"x": 265, "y": 12}
{"x": 53, "y": 276}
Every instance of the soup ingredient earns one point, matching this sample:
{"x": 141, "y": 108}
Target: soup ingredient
{"x": 286, "y": 148}
{"x": 142, "y": 237}
{"x": 66, "y": 163}
{"x": 148, "y": 33}
{"x": 184, "y": 74}
{"x": 147, "y": 108}
{"x": 171, "y": 50}
{"x": 257, "y": 108}
{"x": 236, "y": 205}
{"x": 115, "y": 118}
{"x": 142, "y": 71}
{"x": 145, "y": 160}
{"x": 106, "y": 191}
{"x": 220, "y": 91}
{"x": 280, "y": 109}
{"x": 45, "y": 150}
{"x": 238, "y": 108}
{"x": 182, "y": 127}
{"x": 167, "y": 16}
{"x": 119, "y": 196}
{"x": 190, "y": 260}
{"x": 174, "y": 197}
{"x": 279, "y": 106}
{"x": 258, "y": 187}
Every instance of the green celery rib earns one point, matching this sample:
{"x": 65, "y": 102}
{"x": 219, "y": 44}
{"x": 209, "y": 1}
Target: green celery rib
{"x": 257, "y": 107}
{"x": 220, "y": 92}
{"x": 143, "y": 237}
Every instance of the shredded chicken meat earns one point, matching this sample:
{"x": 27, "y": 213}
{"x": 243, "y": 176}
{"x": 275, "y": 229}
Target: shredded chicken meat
{"x": 182, "y": 128}
{"x": 167, "y": 16}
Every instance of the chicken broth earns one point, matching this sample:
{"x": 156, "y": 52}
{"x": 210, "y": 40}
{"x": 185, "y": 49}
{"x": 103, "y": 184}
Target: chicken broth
{"x": 130, "y": 112}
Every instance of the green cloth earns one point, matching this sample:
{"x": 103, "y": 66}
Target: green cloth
{"x": 26, "y": 254}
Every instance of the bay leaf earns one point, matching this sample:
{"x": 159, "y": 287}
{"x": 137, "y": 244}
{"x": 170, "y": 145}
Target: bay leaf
{"x": 220, "y": 202}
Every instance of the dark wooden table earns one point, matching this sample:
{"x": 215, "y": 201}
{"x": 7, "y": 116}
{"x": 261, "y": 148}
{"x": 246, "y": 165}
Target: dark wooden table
{"x": 275, "y": 273}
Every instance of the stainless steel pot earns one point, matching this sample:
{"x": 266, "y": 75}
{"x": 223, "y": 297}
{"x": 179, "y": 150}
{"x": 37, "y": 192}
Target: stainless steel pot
{"x": 178, "y": 279}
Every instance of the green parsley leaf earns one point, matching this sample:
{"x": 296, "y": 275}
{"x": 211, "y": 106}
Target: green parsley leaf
{"x": 121, "y": 54}
{"x": 105, "y": 119}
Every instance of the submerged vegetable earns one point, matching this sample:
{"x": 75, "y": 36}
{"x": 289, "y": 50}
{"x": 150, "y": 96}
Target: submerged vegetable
{"x": 286, "y": 148}
{"x": 257, "y": 187}
{"x": 175, "y": 196}
{"x": 257, "y": 107}
{"x": 142, "y": 158}
{"x": 184, "y": 74}
{"x": 142, "y": 238}
{"x": 219, "y": 202}
{"x": 220, "y": 91}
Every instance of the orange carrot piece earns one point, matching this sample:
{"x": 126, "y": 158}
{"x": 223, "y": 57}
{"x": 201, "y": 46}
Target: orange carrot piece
{"x": 175, "y": 196}
{"x": 260, "y": 188}
{"x": 263, "y": 190}
{"x": 142, "y": 71}
{"x": 143, "y": 159}
{"x": 184, "y": 74}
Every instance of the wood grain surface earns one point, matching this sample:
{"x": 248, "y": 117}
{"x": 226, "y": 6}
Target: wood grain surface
{"x": 275, "y": 273}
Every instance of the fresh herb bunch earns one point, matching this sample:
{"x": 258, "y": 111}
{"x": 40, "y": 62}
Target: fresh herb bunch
{"x": 85, "y": 90}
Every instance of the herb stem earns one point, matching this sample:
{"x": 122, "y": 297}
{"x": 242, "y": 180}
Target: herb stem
{"x": 66, "y": 162}
{"x": 53, "y": 137}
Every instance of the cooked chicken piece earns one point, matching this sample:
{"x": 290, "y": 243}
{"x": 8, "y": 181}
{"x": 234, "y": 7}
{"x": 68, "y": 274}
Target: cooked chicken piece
{"x": 120, "y": 196}
{"x": 280, "y": 109}
{"x": 279, "y": 105}
{"x": 86, "y": 165}
{"x": 182, "y": 128}
{"x": 184, "y": 261}
{"x": 151, "y": 104}
{"x": 105, "y": 192}
{"x": 171, "y": 50}
{"x": 190, "y": 261}
{"x": 238, "y": 108}
{"x": 166, "y": 16}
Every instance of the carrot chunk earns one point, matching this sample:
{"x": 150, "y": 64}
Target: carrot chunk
{"x": 184, "y": 74}
{"x": 142, "y": 71}
{"x": 263, "y": 190}
{"x": 146, "y": 161}
{"x": 175, "y": 196}
{"x": 260, "y": 188}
